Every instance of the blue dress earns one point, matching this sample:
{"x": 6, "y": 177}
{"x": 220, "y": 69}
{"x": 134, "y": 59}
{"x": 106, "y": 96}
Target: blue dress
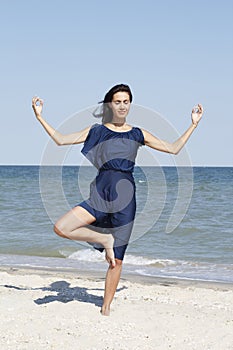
{"x": 112, "y": 193}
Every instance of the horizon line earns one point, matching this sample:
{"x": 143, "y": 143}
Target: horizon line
{"x": 155, "y": 166}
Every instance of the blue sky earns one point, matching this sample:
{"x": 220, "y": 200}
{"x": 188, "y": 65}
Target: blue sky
{"x": 173, "y": 54}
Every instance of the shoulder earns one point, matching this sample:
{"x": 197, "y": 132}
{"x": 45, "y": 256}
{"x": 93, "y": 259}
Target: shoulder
{"x": 92, "y": 132}
{"x": 93, "y": 128}
{"x": 96, "y": 127}
{"x": 150, "y": 138}
{"x": 139, "y": 134}
{"x": 146, "y": 134}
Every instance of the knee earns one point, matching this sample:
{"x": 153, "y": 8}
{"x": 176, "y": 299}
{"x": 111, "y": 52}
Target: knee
{"x": 59, "y": 231}
{"x": 118, "y": 263}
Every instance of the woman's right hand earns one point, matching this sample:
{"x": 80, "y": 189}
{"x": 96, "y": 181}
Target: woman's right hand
{"x": 37, "y": 108}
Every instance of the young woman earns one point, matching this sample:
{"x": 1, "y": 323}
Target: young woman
{"x": 106, "y": 218}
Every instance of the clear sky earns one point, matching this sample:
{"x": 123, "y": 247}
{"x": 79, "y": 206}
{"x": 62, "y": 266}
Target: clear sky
{"x": 173, "y": 54}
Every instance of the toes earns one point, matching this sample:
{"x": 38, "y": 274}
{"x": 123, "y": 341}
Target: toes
{"x": 105, "y": 312}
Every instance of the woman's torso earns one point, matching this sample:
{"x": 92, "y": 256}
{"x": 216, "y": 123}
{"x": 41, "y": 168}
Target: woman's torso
{"x": 112, "y": 150}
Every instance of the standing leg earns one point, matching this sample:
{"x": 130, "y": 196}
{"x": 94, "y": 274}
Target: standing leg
{"x": 111, "y": 283}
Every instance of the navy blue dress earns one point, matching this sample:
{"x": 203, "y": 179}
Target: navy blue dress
{"x": 112, "y": 193}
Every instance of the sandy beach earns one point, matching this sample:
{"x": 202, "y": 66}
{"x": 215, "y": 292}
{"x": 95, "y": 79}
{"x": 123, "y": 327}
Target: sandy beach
{"x": 45, "y": 309}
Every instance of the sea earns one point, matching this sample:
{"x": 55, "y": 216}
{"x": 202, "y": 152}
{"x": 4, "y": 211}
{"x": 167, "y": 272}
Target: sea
{"x": 183, "y": 227}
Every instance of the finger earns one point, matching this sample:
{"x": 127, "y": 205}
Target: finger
{"x": 200, "y": 107}
{"x": 196, "y": 109}
{"x": 41, "y": 102}
{"x": 113, "y": 262}
{"x": 35, "y": 99}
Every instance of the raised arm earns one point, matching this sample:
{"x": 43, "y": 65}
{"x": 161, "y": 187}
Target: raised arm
{"x": 60, "y": 139}
{"x": 174, "y": 148}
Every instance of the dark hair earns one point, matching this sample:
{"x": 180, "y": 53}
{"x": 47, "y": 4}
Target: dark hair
{"x": 106, "y": 113}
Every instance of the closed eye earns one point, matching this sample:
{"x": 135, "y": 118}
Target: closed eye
{"x": 118, "y": 102}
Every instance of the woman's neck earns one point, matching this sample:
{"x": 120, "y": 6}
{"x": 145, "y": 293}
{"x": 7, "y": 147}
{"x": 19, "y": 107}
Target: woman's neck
{"x": 118, "y": 125}
{"x": 118, "y": 122}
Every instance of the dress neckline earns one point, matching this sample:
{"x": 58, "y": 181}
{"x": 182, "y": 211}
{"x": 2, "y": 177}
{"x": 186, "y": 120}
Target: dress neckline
{"x": 117, "y": 132}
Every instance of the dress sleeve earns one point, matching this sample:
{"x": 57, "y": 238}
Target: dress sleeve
{"x": 91, "y": 141}
{"x": 139, "y": 137}
{"x": 91, "y": 145}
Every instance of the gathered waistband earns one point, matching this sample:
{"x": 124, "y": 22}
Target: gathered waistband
{"x": 116, "y": 170}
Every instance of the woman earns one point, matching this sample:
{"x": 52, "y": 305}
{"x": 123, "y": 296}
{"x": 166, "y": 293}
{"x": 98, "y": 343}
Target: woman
{"x": 112, "y": 147}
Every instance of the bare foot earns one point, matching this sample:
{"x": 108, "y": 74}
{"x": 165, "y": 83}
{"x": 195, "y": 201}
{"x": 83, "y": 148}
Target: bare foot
{"x": 105, "y": 311}
{"x": 109, "y": 253}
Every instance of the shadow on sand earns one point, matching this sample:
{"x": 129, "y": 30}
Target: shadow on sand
{"x": 65, "y": 293}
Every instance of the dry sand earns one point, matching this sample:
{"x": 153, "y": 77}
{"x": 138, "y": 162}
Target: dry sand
{"x": 45, "y": 309}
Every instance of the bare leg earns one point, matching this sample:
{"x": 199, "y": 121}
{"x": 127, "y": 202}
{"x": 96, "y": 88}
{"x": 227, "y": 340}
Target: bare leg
{"x": 71, "y": 226}
{"x": 111, "y": 283}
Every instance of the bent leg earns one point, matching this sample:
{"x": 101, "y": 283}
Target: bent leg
{"x": 72, "y": 226}
{"x": 74, "y": 219}
{"x": 111, "y": 283}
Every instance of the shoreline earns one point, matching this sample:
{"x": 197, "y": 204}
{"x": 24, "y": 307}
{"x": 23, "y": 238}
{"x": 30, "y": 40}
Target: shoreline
{"x": 133, "y": 278}
{"x": 134, "y": 271}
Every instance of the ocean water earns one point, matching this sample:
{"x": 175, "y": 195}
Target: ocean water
{"x": 184, "y": 226}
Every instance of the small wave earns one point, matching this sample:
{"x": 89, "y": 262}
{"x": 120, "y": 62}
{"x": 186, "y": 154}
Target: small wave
{"x": 142, "y": 261}
{"x": 87, "y": 255}
{"x": 95, "y": 256}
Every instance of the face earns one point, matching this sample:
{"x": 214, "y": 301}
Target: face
{"x": 120, "y": 104}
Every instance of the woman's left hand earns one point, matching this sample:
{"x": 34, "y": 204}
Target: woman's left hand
{"x": 197, "y": 113}
{"x": 37, "y": 108}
